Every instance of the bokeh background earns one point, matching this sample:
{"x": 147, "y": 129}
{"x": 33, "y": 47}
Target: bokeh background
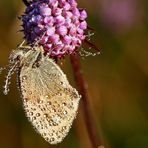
{"x": 117, "y": 78}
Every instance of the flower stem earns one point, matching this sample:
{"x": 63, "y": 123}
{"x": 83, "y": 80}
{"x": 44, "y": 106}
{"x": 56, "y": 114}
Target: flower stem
{"x": 82, "y": 86}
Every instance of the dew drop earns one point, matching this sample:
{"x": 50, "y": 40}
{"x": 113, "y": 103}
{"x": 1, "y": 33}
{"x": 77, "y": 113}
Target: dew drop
{"x": 59, "y": 137}
{"x": 42, "y": 127}
{"x": 57, "y": 133}
{"x": 23, "y": 90}
{"x": 59, "y": 110}
{"x": 25, "y": 105}
{"x": 75, "y": 95}
{"x": 33, "y": 118}
{"x": 66, "y": 89}
{"x": 64, "y": 104}
{"x": 44, "y": 134}
{"x": 30, "y": 93}
{"x": 51, "y": 134}
{"x": 24, "y": 77}
{"x": 52, "y": 139}
{"x": 56, "y": 119}
{"x": 45, "y": 115}
{"x": 41, "y": 101}
{"x": 27, "y": 110}
{"x": 49, "y": 103}
{"x": 50, "y": 123}
{"x": 47, "y": 138}
{"x": 53, "y": 110}
{"x": 25, "y": 99}
{"x": 54, "y": 75}
{"x": 64, "y": 128}
{"x": 55, "y": 124}
{"x": 45, "y": 127}
{"x": 61, "y": 83}
{"x": 59, "y": 94}
{"x": 38, "y": 114}
{"x": 65, "y": 112}
{"x": 43, "y": 109}
{"x": 31, "y": 113}
{"x": 29, "y": 118}
{"x": 59, "y": 74}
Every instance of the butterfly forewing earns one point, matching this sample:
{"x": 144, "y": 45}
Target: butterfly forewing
{"x": 49, "y": 100}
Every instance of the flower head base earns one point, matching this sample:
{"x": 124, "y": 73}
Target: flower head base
{"x": 57, "y": 25}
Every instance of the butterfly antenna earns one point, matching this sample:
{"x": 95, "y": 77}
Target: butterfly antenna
{"x": 84, "y": 53}
{"x": 11, "y": 70}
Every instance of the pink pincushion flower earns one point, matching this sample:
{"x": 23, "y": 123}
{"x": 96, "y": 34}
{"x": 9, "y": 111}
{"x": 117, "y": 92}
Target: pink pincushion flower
{"x": 58, "y": 25}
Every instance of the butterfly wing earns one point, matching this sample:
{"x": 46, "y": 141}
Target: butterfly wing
{"x": 49, "y": 100}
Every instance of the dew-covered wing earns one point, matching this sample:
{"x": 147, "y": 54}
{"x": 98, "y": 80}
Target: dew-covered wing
{"x": 49, "y": 101}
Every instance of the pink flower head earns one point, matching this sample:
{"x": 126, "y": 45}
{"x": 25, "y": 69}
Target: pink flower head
{"x": 58, "y": 25}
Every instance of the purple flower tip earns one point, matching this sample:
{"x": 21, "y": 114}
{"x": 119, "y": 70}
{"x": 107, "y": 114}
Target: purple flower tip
{"x": 58, "y": 25}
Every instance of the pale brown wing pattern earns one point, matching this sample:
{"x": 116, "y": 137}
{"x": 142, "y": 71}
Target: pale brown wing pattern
{"x": 49, "y": 101}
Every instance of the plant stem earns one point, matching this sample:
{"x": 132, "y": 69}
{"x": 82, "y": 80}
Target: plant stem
{"x": 82, "y": 86}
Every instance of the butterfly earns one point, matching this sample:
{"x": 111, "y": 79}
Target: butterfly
{"x": 49, "y": 101}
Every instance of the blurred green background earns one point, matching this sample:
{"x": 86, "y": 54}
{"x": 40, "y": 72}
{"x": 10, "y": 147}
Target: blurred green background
{"x": 117, "y": 78}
